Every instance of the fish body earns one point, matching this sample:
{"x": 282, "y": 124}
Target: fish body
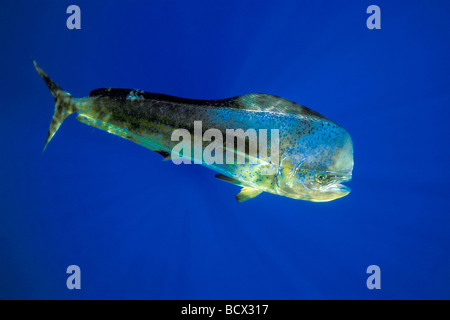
{"x": 314, "y": 154}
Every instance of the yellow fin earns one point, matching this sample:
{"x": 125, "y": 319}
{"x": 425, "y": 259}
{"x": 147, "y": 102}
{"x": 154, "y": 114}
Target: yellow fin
{"x": 247, "y": 193}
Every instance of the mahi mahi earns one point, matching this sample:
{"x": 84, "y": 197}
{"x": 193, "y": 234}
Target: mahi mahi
{"x": 314, "y": 155}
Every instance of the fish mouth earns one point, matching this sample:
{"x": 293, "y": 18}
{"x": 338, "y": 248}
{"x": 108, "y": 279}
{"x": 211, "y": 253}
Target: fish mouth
{"x": 337, "y": 186}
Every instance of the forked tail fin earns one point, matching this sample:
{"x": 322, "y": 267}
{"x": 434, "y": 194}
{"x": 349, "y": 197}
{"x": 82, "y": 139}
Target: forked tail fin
{"x": 63, "y": 104}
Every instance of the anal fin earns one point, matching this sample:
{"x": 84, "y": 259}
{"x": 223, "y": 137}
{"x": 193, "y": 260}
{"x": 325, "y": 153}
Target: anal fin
{"x": 165, "y": 154}
{"x": 247, "y": 193}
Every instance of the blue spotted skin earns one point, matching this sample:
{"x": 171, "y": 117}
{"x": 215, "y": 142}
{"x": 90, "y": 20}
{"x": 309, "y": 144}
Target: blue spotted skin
{"x": 315, "y": 153}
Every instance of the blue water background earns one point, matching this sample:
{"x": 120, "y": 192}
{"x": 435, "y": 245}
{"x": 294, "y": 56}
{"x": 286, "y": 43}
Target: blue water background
{"x": 142, "y": 228}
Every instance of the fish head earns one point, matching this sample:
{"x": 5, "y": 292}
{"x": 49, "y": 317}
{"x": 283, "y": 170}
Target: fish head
{"x": 317, "y": 167}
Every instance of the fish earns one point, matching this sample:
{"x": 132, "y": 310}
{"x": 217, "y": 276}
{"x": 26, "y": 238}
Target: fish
{"x": 304, "y": 155}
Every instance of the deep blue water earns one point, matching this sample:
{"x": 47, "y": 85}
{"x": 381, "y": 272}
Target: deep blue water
{"x": 142, "y": 228}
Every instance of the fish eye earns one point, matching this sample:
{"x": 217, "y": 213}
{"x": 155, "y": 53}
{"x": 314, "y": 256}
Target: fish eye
{"x": 321, "y": 176}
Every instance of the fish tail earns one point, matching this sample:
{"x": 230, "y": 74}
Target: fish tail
{"x": 63, "y": 104}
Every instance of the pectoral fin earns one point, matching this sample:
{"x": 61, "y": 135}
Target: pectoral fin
{"x": 247, "y": 194}
{"x": 228, "y": 179}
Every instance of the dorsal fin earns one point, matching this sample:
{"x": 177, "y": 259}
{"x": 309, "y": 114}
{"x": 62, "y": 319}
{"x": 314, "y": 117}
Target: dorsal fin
{"x": 126, "y": 94}
{"x": 252, "y": 101}
{"x": 119, "y": 94}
